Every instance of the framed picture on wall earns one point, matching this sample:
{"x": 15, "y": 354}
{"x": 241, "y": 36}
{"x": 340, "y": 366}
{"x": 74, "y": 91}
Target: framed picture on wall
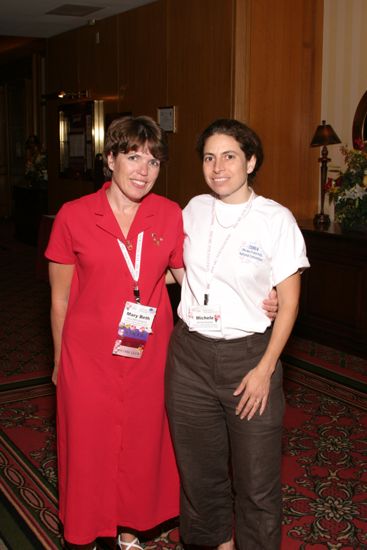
{"x": 167, "y": 118}
{"x": 76, "y": 140}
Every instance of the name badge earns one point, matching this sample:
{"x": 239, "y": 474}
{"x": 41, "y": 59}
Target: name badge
{"x": 133, "y": 330}
{"x": 205, "y": 318}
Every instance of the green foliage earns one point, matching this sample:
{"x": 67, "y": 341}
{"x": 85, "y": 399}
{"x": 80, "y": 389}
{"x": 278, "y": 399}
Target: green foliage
{"x": 350, "y": 190}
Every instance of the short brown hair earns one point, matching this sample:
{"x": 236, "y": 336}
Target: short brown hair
{"x": 130, "y": 133}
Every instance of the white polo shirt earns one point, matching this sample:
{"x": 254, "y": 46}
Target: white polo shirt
{"x": 264, "y": 248}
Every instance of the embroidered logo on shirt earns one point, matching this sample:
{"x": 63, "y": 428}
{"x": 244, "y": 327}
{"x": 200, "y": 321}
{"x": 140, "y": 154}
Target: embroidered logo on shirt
{"x": 251, "y": 251}
{"x": 157, "y": 240}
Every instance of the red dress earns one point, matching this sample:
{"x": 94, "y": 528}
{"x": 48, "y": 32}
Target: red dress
{"x": 116, "y": 461}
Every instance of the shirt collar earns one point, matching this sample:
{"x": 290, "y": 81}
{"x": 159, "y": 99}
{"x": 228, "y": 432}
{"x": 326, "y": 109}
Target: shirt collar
{"x": 106, "y": 220}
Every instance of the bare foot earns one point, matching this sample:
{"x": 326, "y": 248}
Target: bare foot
{"x": 127, "y": 541}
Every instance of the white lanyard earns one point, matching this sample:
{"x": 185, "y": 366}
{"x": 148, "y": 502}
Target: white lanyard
{"x": 134, "y": 269}
{"x": 210, "y": 270}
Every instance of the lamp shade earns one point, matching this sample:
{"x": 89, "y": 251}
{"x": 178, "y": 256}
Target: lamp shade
{"x": 324, "y": 135}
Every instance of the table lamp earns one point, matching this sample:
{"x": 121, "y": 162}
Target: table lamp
{"x": 324, "y": 136}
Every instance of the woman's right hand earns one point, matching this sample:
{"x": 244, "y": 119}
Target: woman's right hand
{"x": 54, "y": 374}
{"x": 254, "y": 387}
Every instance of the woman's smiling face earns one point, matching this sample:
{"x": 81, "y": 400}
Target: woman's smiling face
{"x": 225, "y": 168}
{"x": 134, "y": 173}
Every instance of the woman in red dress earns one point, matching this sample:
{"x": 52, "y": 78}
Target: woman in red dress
{"x": 109, "y": 253}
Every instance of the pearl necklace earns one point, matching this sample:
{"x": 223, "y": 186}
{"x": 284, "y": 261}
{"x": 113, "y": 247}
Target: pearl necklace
{"x": 247, "y": 206}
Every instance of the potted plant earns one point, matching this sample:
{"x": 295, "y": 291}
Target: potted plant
{"x": 349, "y": 190}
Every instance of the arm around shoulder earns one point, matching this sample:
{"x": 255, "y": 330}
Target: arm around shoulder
{"x": 175, "y": 276}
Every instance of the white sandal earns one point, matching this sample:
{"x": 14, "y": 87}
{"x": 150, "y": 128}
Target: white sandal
{"x": 135, "y": 543}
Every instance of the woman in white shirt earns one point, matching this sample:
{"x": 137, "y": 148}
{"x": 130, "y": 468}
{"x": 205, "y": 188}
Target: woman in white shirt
{"x": 224, "y": 378}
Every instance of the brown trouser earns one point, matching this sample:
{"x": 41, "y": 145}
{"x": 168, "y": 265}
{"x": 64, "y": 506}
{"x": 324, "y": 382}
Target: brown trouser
{"x": 222, "y": 459}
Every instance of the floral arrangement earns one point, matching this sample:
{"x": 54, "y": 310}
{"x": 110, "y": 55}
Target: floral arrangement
{"x": 349, "y": 190}
{"x": 36, "y": 163}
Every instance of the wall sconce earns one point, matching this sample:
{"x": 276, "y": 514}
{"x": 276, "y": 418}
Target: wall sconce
{"x": 62, "y": 94}
{"x": 324, "y": 136}
{"x": 98, "y": 127}
{"x": 81, "y": 94}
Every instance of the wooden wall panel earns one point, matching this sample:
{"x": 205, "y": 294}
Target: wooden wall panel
{"x": 257, "y": 60}
{"x": 86, "y": 57}
{"x": 62, "y": 73}
{"x": 142, "y": 65}
{"x": 285, "y": 89}
{"x": 98, "y": 54}
{"x": 106, "y": 68}
{"x": 241, "y": 60}
{"x": 62, "y": 63}
{"x": 142, "y": 62}
{"x": 199, "y": 83}
{"x": 131, "y": 81}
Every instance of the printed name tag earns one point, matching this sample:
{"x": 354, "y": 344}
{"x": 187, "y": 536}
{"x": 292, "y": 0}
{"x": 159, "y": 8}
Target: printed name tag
{"x": 251, "y": 251}
{"x": 204, "y": 318}
{"x": 133, "y": 330}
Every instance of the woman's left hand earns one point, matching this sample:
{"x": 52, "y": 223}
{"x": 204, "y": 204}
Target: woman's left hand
{"x": 270, "y": 304}
{"x": 255, "y": 388}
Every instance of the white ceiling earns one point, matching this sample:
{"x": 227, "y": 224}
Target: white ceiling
{"x": 28, "y": 17}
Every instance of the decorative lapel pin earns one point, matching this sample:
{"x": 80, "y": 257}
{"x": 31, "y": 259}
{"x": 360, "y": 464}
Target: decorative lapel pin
{"x": 157, "y": 240}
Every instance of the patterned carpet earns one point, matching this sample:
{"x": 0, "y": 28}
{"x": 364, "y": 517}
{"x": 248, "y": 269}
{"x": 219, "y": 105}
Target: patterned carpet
{"x": 324, "y": 471}
{"x": 25, "y": 338}
{"x": 324, "y": 464}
